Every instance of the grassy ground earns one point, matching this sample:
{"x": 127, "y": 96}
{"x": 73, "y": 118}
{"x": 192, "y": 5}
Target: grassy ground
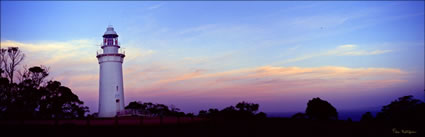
{"x": 269, "y": 127}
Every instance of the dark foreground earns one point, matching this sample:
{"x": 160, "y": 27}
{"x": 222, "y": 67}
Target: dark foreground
{"x": 269, "y": 127}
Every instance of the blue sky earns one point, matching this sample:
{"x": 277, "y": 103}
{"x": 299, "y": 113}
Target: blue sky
{"x": 171, "y": 44}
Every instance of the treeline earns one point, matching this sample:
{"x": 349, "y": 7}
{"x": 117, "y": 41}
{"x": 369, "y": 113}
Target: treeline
{"x": 318, "y": 109}
{"x": 138, "y": 108}
{"x": 241, "y": 111}
{"x": 32, "y": 96}
{"x": 404, "y": 111}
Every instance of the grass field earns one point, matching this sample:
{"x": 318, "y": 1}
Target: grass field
{"x": 196, "y": 127}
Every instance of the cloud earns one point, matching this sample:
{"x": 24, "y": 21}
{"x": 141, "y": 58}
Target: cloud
{"x": 58, "y": 55}
{"x": 153, "y": 7}
{"x": 267, "y": 82}
{"x": 319, "y": 21}
{"x": 202, "y": 28}
{"x": 342, "y": 50}
{"x": 346, "y": 47}
{"x": 136, "y": 53}
{"x": 350, "y": 50}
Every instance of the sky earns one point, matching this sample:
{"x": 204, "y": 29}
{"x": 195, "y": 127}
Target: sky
{"x": 356, "y": 55}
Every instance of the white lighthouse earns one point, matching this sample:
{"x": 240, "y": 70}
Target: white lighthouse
{"x": 111, "y": 90}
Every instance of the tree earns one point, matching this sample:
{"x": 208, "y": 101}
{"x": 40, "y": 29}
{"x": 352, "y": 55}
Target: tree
{"x": 190, "y": 115}
{"x": 243, "y": 110}
{"x": 228, "y": 112}
{"x": 149, "y": 108}
{"x": 405, "y": 109}
{"x": 174, "y": 108}
{"x": 135, "y": 107}
{"x": 24, "y": 98}
{"x": 248, "y": 107}
{"x": 4, "y": 95}
{"x": 58, "y": 101}
{"x": 299, "y": 115}
{"x": 202, "y": 113}
{"x": 320, "y": 110}
{"x": 213, "y": 111}
{"x": 174, "y": 111}
{"x": 3, "y": 53}
{"x": 261, "y": 115}
{"x": 160, "y": 109}
{"x": 34, "y": 76}
{"x": 31, "y": 99}
{"x": 367, "y": 117}
{"x": 11, "y": 58}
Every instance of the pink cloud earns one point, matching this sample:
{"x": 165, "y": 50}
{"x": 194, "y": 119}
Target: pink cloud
{"x": 268, "y": 81}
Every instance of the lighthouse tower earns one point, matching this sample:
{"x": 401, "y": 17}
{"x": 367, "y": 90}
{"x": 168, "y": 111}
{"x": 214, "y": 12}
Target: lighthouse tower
{"x": 111, "y": 90}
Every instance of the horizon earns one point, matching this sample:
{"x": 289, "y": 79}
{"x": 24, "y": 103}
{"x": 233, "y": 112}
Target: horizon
{"x": 200, "y": 55}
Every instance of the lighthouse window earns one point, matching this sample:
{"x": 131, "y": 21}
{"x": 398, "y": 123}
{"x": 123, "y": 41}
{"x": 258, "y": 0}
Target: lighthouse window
{"x": 117, "y": 88}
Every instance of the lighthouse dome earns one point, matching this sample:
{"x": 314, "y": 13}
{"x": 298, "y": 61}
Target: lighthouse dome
{"x": 110, "y": 31}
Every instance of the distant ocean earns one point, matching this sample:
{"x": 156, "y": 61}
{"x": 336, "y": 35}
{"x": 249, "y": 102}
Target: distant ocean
{"x": 342, "y": 115}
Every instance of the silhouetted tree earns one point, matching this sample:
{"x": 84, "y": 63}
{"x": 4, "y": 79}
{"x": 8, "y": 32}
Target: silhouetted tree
{"x": 349, "y": 119}
{"x": 34, "y": 76}
{"x": 261, "y": 115}
{"x": 320, "y": 110}
{"x": 3, "y": 53}
{"x": 202, "y": 113}
{"x": 58, "y": 101}
{"x": 151, "y": 109}
{"x": 23, "y": 100}
{"x": 247, "y": 107}
{"x": 174, "y": 108}
{"x": 32, "y": 97}
{"x": 29, "y": 99}
{"x": 174, "y": 111}
{"x": 190, "y": 115}
{"x": 11, "y": 58}
{"x": 405, "y": 109}
{"x": 5, "y": 95}
{"x": 243, "y": 110}
{"x": 299, "y": 115}
{"x": 367, "y": 117}
{"x": 213, "y": 112}
{"x": 160, "y": 109}
{"x": 228, "y": 112}
{"x": 135, "y": 107}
